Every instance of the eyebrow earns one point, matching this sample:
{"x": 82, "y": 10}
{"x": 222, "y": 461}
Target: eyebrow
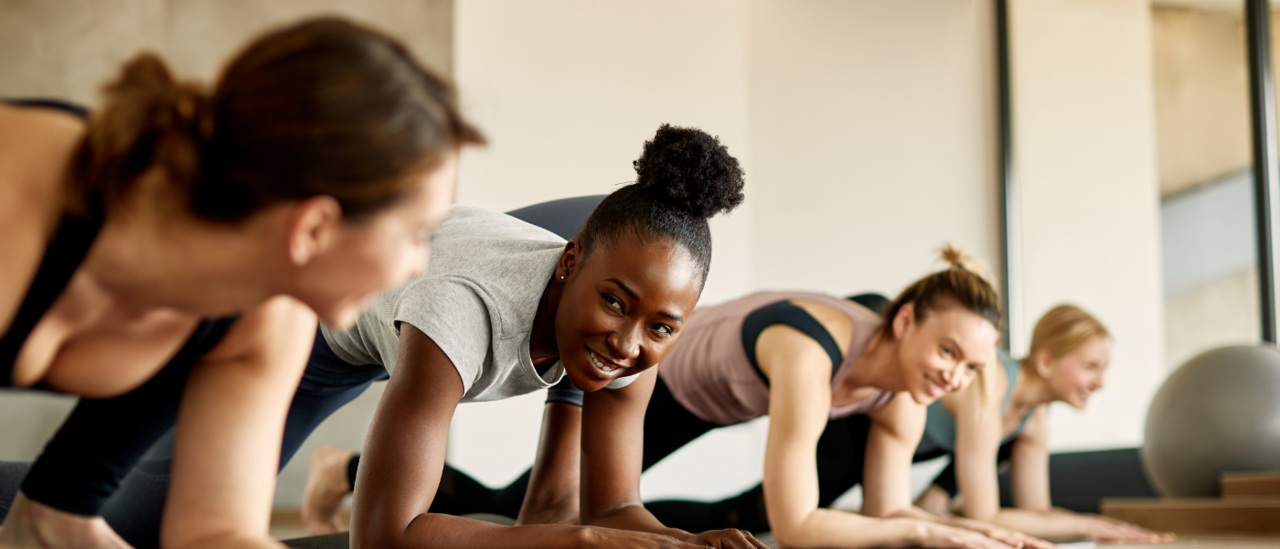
{"x": 625, "y": 288}
{"x": 636, "y": 297}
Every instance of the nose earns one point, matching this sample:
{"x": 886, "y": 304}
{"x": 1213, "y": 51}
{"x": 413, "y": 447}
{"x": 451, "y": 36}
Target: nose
{"x": 952, "y": 378}
{"x": 625, "y": 341}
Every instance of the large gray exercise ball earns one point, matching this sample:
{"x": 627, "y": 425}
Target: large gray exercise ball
{"x": 1219, "y": 412}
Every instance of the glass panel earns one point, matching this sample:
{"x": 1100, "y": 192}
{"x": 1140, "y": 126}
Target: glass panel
{"x": 1206, "y": 179}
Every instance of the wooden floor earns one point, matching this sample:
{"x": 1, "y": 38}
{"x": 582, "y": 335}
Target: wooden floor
{"x": 1226, "y": 542}
{"x": 287, "y": 525}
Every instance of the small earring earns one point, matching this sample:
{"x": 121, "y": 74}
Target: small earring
{"x": 561, "y": 278}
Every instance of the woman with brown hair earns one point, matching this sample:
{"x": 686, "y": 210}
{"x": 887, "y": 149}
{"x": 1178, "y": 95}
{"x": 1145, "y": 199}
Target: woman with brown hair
{"x": 1070, "y": 351}
{"x": 170, "y": 255}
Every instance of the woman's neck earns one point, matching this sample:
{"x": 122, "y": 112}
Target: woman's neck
{"x": 877, "y": 367}
{"x": 543, "y": 348}
{"x": 152, "y": 254}
{"x": 1029, "y": 391}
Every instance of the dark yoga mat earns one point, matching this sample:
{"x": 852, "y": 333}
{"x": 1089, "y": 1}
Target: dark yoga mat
{"x": 1079, "y": 480}
{"x": 340, "y": 540}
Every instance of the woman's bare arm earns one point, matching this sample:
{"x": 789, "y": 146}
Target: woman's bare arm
{"x": 230, "y": 426}
{"x": 1035, "y": 514}
{"x": 799, "y": 374}
{"x": 552, "y": 496}
{"x": 612, "y": 459}
{"x": 402, "y": 462}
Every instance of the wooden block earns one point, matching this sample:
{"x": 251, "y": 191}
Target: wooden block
{"x": 1264, "y": 484}
{"x": 1191, "y": 516}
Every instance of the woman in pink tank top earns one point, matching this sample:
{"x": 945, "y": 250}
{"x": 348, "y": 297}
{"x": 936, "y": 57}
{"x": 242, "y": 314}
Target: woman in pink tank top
{"x": 804, "y": 359}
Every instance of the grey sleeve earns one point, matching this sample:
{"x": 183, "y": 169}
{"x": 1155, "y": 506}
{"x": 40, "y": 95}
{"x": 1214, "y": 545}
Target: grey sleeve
{"x": 453, "y": 315}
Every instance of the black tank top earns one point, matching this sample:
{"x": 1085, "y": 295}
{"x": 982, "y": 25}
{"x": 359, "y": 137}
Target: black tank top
{"x": 101, "y": 439}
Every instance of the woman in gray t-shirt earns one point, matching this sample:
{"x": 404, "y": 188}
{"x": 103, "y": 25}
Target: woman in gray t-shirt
{"x": 507, "y": 309}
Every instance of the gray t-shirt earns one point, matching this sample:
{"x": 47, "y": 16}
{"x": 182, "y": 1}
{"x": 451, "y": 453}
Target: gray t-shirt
{"x": 476, "y": 302}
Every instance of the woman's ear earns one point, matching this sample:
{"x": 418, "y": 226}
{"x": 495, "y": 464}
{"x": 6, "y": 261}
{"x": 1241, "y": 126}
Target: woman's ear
{"x": 903, "y": 320}
{"x": 1043, "y": 362}
{"x": 570, "y": 260}
{"x": 313, "y": 228}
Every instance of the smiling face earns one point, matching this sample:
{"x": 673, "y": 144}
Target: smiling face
{"x": 361, "y": 259}
{"x": 1074, "y": 376}
{"x": 622, "y": 308}
{"x": 942, "y": 353}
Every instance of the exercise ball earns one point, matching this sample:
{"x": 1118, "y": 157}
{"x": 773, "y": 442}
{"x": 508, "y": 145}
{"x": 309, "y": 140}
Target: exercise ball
{"x": 1219, "y": 412}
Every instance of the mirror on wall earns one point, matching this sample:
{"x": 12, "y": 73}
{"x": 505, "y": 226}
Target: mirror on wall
{"x": 1207, "y": 206}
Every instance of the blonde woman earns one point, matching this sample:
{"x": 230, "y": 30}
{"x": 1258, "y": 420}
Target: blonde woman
{"x": 1070, "y": 350}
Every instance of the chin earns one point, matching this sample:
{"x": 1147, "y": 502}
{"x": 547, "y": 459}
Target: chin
{"x": 585, "y": 383}
{"x": 922, "y": 398}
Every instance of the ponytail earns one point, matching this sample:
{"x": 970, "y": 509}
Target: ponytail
{"x": 149, "y": 120}
{"x": 322, "y": 107}
{"x": 958, "y": 285}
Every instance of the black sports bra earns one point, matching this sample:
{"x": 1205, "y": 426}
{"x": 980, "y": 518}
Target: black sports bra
{"x": 62, "y": 256}
{"x": 102, "y": 438}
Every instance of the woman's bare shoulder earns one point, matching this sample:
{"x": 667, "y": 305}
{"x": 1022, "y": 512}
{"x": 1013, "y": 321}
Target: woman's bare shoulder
{"x": 836, "y": 321}
{"x": 36, "y": 147}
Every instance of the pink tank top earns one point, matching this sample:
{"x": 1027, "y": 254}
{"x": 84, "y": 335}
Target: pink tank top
{"x": 708, "y": 371}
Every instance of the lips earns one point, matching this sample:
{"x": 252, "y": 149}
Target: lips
{"x": 602, "y": 365}
{"x": 933, "y": 389}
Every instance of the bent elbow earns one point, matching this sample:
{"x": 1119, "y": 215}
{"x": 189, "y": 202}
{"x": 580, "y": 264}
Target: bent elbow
{"x": 791, "y": 534}
{"x": 374, "y": 538}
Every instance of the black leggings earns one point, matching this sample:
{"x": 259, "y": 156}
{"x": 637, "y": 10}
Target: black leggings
{"x": 840, "y": 457}
{"x": 668, "y": 426}
{"x": 135, "y": 509}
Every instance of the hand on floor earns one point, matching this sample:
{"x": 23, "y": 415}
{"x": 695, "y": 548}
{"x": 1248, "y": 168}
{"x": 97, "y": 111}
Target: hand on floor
{"x": 731, "y": 539}
{"x": 940, "y": 536}
{"x": 32, "y": 525}
{"x": 1012, "y": 538}
{"x": 1108, "y": 529}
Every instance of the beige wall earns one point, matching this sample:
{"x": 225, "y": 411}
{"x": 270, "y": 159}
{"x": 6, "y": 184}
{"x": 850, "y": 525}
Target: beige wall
{"x": 67, "y": 49}
{"x": 1086, "y": 165}
{"x": 872, "y": 128}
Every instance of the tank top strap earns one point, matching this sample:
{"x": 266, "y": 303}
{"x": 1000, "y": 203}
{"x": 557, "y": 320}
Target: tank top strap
{"x": 1012, "y": 369}
{"x": 785, "y": 313}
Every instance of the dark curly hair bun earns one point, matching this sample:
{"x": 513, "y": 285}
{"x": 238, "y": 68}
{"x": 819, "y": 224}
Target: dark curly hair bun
{"x": 685, "y": 177}
{"x": 691, "y": 169}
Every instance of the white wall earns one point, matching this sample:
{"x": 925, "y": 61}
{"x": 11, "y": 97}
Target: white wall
{"x": 1086, "y": 163}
